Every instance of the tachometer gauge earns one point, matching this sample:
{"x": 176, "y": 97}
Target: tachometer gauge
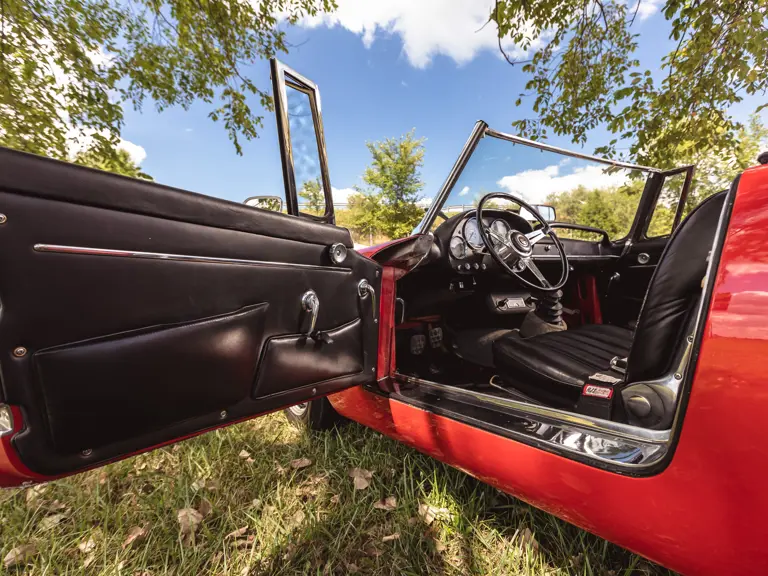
{"x": 501, "y": 229}
{"x": 458, "y": 248}
{"x": 472, "y": 234}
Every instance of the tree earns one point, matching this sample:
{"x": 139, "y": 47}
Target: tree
{"x": 394, "y": 171}
{"x": 120, "y": 163}
{"x": 312, "y": 192}
{"x": 68, "y": 66}
{"x": 365, "y": 213}
{"x": 584, "y": 74}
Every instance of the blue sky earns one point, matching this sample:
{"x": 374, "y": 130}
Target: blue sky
{"x": 383, "y": 68}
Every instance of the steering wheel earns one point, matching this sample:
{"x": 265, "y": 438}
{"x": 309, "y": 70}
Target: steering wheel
{"x": 515, "y": 253}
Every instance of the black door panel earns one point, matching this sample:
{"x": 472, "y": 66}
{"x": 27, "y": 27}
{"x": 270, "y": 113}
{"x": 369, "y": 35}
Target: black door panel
{"x": 141, "y": 327}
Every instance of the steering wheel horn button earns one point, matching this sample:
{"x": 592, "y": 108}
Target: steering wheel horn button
{"x": 520, "y": 242}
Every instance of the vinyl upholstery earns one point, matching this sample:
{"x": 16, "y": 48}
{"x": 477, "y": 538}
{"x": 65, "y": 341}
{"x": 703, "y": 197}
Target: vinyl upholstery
{"x": 567, "y": 358}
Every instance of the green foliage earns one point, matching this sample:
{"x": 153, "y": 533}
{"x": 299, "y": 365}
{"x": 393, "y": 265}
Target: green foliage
{"x": 119, "y": 163}
{"x": 584, "y": 74}
{"x": 314, "y": 197}
{"x": 365, "y": 214}
{"x": 610, "y": 209}
{"x": 394, "y": 172}
{"x": 68, "y": 66}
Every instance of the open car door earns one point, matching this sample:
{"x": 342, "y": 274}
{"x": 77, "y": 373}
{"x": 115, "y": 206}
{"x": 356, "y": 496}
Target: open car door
{"x": 134, "y": 314}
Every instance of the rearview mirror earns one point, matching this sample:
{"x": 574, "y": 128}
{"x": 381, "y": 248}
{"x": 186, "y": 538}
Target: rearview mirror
{"x": 274, "y": 203}
{"x": 547, "y": 212}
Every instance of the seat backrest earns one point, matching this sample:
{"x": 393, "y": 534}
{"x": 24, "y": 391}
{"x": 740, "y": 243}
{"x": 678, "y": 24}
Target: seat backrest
{"x": 674, "y": 292}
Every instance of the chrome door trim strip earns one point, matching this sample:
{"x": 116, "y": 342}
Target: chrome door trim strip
{"x": 80, "y": 250}
{"x": 565, "y": 152}
{"x": 574, "y": 433}
{"x": 589, "y": 423}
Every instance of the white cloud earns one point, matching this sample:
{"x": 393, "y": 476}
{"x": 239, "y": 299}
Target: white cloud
{"x": 136, "y": 152}
{"x": 464, "y": 191}
{"x": 458, "y": 29}
{"x": 646, "y": 8}
{"x": 535, "y": 185}
{"x": 424, "y": 202}
{"x": 341, "y": 195}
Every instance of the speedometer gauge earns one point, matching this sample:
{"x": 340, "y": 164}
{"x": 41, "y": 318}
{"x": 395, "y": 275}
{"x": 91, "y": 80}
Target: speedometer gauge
{"x": 472, "y": 234}
{"x": 458, "y": 248}
{"x": 501, "y": 229}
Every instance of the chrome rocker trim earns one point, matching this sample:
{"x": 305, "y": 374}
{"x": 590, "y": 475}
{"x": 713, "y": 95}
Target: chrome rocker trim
{"x": 610, "y": 442}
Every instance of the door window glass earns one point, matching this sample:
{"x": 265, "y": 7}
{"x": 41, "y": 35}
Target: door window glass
{"x": 306, "y": 158}
{"x": 663, "y": 216}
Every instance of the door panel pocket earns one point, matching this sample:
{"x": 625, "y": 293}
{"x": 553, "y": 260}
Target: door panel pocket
{"x": 291, "y": 362}
{"x": 120, "y": 386}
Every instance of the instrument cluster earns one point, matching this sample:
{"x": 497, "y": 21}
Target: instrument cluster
{"x": 467, "y": 241}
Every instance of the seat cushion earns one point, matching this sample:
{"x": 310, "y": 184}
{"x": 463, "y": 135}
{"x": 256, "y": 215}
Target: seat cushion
{"x": 561, "y": 358}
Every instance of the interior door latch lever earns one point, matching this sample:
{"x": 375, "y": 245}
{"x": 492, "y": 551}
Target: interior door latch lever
{"x": 310, "y": 304}
{"x": 364, "y": 288}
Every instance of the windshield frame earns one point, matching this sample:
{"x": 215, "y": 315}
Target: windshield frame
{"x": 481, "y": 130}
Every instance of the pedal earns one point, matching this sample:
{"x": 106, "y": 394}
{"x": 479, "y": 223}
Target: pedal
{"x": 436, "y": 337}
{"x": 418, "y": 344}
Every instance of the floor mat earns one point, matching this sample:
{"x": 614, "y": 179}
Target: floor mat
{"x": 474, "y": 345}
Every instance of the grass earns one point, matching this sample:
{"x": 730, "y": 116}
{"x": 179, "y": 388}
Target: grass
{"x": 291, "y": 519}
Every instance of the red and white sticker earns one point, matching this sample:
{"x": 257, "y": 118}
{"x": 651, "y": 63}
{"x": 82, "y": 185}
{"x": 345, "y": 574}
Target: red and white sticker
{"x": 597, "y": 391}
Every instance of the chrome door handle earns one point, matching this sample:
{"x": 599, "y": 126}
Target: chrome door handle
{"x": 310, "y": 303}
{"x": 364, "y": 288}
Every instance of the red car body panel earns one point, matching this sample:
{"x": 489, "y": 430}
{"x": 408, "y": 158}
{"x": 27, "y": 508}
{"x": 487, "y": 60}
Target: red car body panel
{"x": 704, "y": 513}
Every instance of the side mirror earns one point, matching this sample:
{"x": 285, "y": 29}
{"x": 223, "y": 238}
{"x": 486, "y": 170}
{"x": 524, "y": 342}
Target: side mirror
{"x": 274, "y": 203}
{"x": 547, "y": 212}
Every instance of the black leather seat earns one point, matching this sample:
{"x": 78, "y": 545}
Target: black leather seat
{"x": 560, "y": 362}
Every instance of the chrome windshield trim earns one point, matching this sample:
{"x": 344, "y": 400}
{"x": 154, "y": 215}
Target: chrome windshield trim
{"x": 80, "y": 250}
{"x": 589, "y": 423}
{"x": 482, "y": 129}
{"x": 469, "y": 146}
{"x": 592, "y": 438}
{"x": 566, "y": 152}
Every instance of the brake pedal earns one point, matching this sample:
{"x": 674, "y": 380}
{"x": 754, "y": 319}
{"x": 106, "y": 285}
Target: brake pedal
{"x": 436, "y": 337}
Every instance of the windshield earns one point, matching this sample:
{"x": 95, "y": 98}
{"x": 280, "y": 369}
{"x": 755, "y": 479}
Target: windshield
{"x": 582, "y": 191}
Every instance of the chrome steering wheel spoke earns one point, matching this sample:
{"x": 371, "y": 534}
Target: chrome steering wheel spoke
{"x": 535, "y": 236}
{"x": 531, "y": 265}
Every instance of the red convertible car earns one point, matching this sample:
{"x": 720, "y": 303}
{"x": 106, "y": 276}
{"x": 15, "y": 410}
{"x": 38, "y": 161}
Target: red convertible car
{"x": 618, "y": 383}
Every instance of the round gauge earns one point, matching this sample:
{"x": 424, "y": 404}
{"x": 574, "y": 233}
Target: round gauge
{"x": 458, "y": 248}
{"x": 472, "y": 234}
{"x": 501, "y": 229}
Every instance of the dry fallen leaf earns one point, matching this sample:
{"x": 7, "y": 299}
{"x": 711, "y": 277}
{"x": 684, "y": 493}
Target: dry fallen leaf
{"x": 300, "y": 463}
{"x": 527, "y": 539}
{"x": 34, "y": 493}
{"x": 430, "y": 513}
{"x": 439, "y": 546}
{"x": 244, "y": 454}
{"x": 237, "y": 533}
{"x": 245, "y": 542}
{"x": 189, "y": 520}
{"x": 90, "y": 559}
{"x": 391, "y": 537}
{"x": 135, "y": 534}
{"x": 361, "y": 477}
{"x": 87, "y": 545}
{"x": 371, "y": 550}
{"x": 388, "y": 503}
{"x": 335, "y": 499}
{"x": 352, "y": 568}
{"x": 205, "y": 508}
{"x": 256, "y": 504}
{"x": 20, "y": 555}
{"x": 298, "y": 517}
{"x": 50, "y": 521}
